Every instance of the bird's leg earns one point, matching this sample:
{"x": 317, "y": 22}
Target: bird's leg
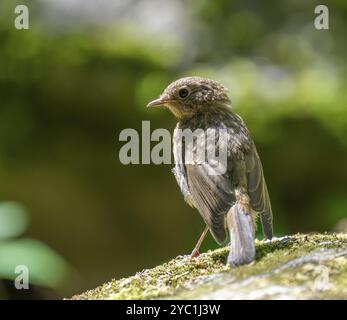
{"x": 195, "y": 251}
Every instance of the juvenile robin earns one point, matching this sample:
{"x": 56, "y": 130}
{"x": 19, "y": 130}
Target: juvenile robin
{"x": 231, "y": 199}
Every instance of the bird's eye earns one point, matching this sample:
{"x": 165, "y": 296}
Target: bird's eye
{"x": 183, "y": 93}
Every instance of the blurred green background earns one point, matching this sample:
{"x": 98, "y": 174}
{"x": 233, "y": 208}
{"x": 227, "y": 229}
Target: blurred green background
{"x": 86, "y": 69}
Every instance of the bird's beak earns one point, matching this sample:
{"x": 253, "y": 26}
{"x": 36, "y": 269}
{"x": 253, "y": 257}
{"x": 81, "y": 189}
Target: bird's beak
{"x": 157, "y": 102}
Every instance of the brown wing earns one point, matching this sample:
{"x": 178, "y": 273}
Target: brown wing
{"x": 212, "y": 195}
{"x": 258, "y": 193}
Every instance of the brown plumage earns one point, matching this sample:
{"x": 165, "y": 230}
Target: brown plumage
{"x": 228, "y": 199}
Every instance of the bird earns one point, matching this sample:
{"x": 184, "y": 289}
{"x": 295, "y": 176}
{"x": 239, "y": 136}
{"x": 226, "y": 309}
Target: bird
{"x": 230, "y": 200}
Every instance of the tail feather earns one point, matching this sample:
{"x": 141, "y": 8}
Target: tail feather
{"x": 241, "y": 229}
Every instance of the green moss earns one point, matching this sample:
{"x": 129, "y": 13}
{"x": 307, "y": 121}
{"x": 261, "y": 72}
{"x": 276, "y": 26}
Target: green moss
{"x": 313, "y": 266}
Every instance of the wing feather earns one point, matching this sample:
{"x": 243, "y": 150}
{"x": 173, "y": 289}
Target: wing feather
{"x": 258, "y": 193}
{"x": 212, "y": 196}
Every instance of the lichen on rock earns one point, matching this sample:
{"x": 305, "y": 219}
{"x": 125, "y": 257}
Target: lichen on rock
{"x": 297, "y": 267}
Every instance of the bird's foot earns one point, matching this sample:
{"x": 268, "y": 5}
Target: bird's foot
{"x": 195, "y": 253}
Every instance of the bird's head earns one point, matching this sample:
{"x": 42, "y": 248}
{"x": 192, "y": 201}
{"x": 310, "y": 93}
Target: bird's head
{"x": 188, "y": 96}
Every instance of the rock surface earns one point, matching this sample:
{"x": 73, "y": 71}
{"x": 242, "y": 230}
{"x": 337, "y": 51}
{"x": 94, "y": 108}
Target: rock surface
{"x": 295, "y": 267}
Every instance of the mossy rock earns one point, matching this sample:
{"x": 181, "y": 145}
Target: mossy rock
{"x": 297, "y": 267}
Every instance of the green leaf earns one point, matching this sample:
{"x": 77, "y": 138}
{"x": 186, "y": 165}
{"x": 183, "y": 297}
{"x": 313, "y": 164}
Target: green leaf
{"x": 13, "y": 220}
{"x": 45, "y": 266}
